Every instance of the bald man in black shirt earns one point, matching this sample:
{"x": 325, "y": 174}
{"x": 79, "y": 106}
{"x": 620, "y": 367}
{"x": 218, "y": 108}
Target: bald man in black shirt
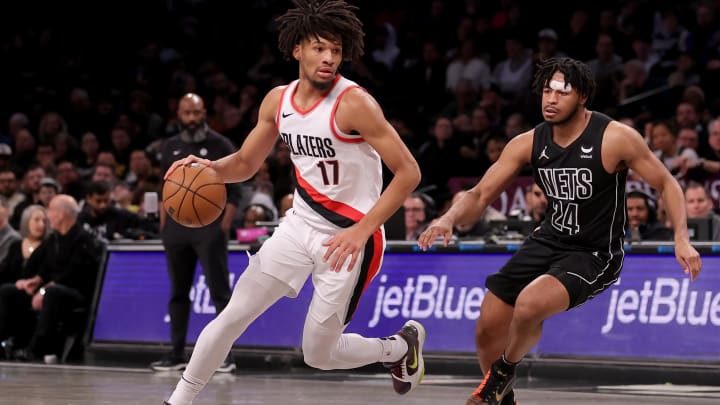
{"x": 185, "y": 246}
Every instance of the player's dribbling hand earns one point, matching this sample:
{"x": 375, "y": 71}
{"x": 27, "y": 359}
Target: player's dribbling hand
{"x": 441, "y": 227}
{"x": 186, "y": 161}
{"x": 688, "y": 258}
{"x": 346, "y": 243}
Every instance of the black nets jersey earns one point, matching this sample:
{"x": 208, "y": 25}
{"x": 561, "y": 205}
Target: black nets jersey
{"x": 586, "y": 204}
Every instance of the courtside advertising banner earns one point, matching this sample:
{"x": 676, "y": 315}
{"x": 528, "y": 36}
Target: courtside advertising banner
{"x": 653, "y": 311}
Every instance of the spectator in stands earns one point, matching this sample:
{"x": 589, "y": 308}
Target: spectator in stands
{"x": 90, "y": 149}
{"x": 49, "y": 188}
{"x": 710, "y": 161}
{"x": 513, "y": 74}
{"x": 9, "y": 189}
{"x": 255, "y": 213}
{"x": 419, "y": 212}
{"x": 5, "y": 156}
{"x": 676, "y": 158}
{"x": 686, "y": 116}
{"x": 468, "y": 66}
{"x": 642, "y": 49}
{"x": 61, "y": 280}
{"x": 51, "y": 124}
{"x": 494, "y": 146}
{"x": 45, "y": 157}
{"x": 31, "y": 189}
{"x": 25, "y": 146}
{"x": 515, "y": 125}
{"x": 670, "y": 38}
{"x": 34, "y": 228}
{"x": 438, "y": 157}
{"x": 479, "y": 228}
{"x": 688, "y": 138}
{"x": 121, "y": 148}
{"x": 141, "y": 167}
{"x": 8, "y": 235}
{"x": 107, "y": 222}
{"x": 642, "y": 219}
{"x": 104, "y": 172}
{"x": 700, "y": 205}
{"x": 68, "y": 178}
{"x": 17, "y": 122}
{"x": 535, "y": 204}
{"x": 547, "y": 46}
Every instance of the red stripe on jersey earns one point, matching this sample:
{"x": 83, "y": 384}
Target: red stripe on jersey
{"x": 377, "y": 240}
{"x": 332, "y": 205}
{"x": 312, "y": 107}
{"x": 332, "y": 118}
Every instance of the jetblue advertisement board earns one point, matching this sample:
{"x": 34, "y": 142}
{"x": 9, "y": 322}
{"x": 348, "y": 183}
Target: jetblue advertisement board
{"x": 654, "y": 311}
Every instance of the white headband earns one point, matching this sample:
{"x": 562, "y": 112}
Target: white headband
{"x": 560, "y": 86}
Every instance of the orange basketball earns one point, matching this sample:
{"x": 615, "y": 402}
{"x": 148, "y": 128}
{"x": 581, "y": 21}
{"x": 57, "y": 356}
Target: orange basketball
{"x": 194, "y": 195}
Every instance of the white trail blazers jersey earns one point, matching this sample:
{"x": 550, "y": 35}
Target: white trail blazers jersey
{"x": 339, "y": 176}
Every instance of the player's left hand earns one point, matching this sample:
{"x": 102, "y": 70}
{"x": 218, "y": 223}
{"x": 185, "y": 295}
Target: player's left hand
{"x": 345, "y": 244}
{"x": 688, "y": 258}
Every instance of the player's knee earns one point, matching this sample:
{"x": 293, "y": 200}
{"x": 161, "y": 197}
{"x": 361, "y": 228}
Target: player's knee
{"x": 527, "y": 310}
{"x": 317, "y": 358}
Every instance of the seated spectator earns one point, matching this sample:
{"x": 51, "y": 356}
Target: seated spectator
{"x": 255, "y": 213}
{"x": 31, "y": 188}
{"x": 675, "y": 157}
{"x": 61, "y": 280}
{"x": 535, "y": 204}
{"x": 419, "y": 212}
{"x": 479, "y": 228}
{"x": 69, "y": 180}
{"x": 699, "y": 205}
{"x": 107, "y": 222}
{"x": 642, "y": 219}
{"x": 9, "y": 189}
{"x": 34, "y": 228}
{"x": 8, "y": 235}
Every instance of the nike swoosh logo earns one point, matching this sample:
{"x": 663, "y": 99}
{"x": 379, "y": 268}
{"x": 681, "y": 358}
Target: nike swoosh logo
{"x": 414, "y": 364}
{"x": 586, "y": 150}
{"x": 287, "y": 115}
{"x": 176, "y": 152}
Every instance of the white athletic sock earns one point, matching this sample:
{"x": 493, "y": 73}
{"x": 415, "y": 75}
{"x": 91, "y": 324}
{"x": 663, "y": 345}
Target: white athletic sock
{"x": 186, "y": 390}
{"x": 394, "y": 348}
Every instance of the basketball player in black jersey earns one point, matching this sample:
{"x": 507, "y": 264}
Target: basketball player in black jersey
{"x": 580, "y": 159}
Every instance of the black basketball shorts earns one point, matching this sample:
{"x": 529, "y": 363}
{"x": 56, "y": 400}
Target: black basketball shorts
{"x": 584, "y": 273}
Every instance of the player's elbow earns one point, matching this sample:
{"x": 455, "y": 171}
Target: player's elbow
{"x": 413, "y": 174}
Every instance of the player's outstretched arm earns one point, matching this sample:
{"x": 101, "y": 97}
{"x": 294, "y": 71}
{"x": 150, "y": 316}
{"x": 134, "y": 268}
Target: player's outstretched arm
{"x": 625, "y": 145}
{"x": 242, "y": 164}
{"x": 469, "y": 208}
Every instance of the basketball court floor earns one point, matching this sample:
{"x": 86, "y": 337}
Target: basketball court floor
{"x": 38, "y": 384}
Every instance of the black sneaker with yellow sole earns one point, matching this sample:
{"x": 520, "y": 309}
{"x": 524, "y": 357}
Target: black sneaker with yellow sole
{"x": 408, "y": 372}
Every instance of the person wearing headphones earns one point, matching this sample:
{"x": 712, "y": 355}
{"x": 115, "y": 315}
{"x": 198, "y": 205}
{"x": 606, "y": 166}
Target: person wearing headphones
{"x": 642, "y": 219}
{"x": 419, "y": 212}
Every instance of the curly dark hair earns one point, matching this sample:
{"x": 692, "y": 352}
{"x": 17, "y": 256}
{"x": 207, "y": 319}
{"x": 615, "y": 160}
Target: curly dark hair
{"x": 331, "y": 19}
{"x": 576, "y": 73}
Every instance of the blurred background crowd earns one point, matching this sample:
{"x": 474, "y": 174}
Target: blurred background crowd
{"x": 88, "y": 101}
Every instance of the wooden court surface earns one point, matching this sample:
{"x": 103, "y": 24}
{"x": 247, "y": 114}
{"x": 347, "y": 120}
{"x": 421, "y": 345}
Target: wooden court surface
{"x": 37, "y": 384}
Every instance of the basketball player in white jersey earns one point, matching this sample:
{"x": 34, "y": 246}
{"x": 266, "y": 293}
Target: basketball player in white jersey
{"x": 337, "y": 136}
